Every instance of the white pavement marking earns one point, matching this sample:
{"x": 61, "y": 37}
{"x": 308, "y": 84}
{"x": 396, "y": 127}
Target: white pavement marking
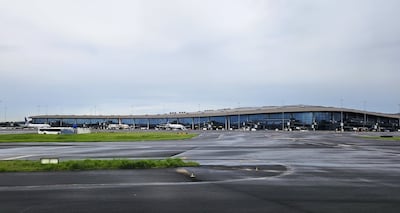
{"x": 17, "y": 157}
{"x": 112, "y": 185}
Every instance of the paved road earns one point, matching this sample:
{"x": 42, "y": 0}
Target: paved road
{"x": 240, "y": 172}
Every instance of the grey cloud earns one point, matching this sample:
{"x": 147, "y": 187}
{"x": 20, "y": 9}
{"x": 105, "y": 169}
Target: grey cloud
{"x": 157, "y": 54}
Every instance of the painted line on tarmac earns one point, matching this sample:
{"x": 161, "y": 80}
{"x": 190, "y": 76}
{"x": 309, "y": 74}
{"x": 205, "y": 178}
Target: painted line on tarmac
{"x": 18, "y": 157}
{"x": 119, "y": 185}
{"x": 130, "y": 184}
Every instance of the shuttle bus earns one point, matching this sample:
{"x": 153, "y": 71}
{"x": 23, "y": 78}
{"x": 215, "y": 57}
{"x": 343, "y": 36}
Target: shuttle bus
{"x": 55, "y": 130}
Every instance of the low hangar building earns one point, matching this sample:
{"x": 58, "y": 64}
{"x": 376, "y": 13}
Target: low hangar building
{"x": 250, "y": 118}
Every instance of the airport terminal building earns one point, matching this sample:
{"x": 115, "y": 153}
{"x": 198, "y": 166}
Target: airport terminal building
{"x": 298, "y": 117}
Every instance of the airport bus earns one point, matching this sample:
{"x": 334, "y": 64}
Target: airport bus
{"x": 55, "y": 130}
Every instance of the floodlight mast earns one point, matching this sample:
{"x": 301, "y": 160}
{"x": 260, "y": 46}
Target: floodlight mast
{"x": 5, "y": 112}
{"x": 365, "y": 114}
{"x": 239, "y": 116}
{"x": 283, "y": 120}
{"x": 341, "y": 116}
{"x": 199, "y": 117}
{"x": 398, "y": 128}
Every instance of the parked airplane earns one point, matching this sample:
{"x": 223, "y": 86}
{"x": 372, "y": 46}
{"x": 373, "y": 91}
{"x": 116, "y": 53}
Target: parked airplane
{"x": 118, "y": 126}
{"x": 172, "y": 126}
{"x": 30, "y": 125}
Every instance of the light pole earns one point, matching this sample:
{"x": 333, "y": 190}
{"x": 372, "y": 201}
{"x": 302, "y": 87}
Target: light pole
{"x": 238, "y": 121}
{"x": 199, "y": 118}
{"x": 283, "y": 115}
{"x": 341, "y": 116}
{"x": 5, "y": 113}
{"x": 365, "y": 114}
{"x": 132, "y": 120}
{"x": 239, "y": 116}
{"x": 398, "y": 128}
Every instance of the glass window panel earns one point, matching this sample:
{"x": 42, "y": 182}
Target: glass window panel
{"x": 68, "y": 122}
{"x": 141, "y": 122}
{"x": 39, "y": 120}
{"x": 186, "y": 121}
{"x": 128, "y": 121}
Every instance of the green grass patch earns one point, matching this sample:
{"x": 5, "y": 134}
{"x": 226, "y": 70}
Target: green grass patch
{"x": 394, "y": 138}
{"x": 81, "y": 165}
{"x": 98, "y": 137}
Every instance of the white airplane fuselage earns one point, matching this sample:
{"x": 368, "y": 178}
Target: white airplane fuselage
{"x": 175, "y": 126}
{"x": 37, "y": 126}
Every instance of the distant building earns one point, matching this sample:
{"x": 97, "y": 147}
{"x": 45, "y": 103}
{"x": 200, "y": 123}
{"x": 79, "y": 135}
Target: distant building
{"x": 297, "y": 117}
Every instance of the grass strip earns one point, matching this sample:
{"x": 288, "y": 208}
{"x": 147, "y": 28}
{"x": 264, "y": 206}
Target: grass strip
{"x": 88, "y": 164}
{"x": 98, "y": 137}
{"x": 394, "y": 138}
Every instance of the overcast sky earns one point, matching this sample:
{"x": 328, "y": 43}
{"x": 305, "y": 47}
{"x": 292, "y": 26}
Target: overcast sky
{"x": 158, "y": 56}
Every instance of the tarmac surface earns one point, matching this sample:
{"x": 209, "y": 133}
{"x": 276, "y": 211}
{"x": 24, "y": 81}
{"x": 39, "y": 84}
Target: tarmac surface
{"x": 260, "y": 171}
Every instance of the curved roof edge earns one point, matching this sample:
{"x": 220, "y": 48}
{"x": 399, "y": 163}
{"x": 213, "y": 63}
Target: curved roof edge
{"x": 229, "y": 111}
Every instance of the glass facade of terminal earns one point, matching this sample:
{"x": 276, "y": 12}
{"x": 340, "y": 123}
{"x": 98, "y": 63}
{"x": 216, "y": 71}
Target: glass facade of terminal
{"x": 271, "y": 121}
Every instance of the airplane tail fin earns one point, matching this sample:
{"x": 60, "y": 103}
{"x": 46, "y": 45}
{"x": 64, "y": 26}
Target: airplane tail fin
{"x": 26, "y": 121}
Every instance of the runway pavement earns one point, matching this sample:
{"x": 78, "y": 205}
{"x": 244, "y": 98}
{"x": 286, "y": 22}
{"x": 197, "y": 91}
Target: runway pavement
{"x": 241, "y": 172}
